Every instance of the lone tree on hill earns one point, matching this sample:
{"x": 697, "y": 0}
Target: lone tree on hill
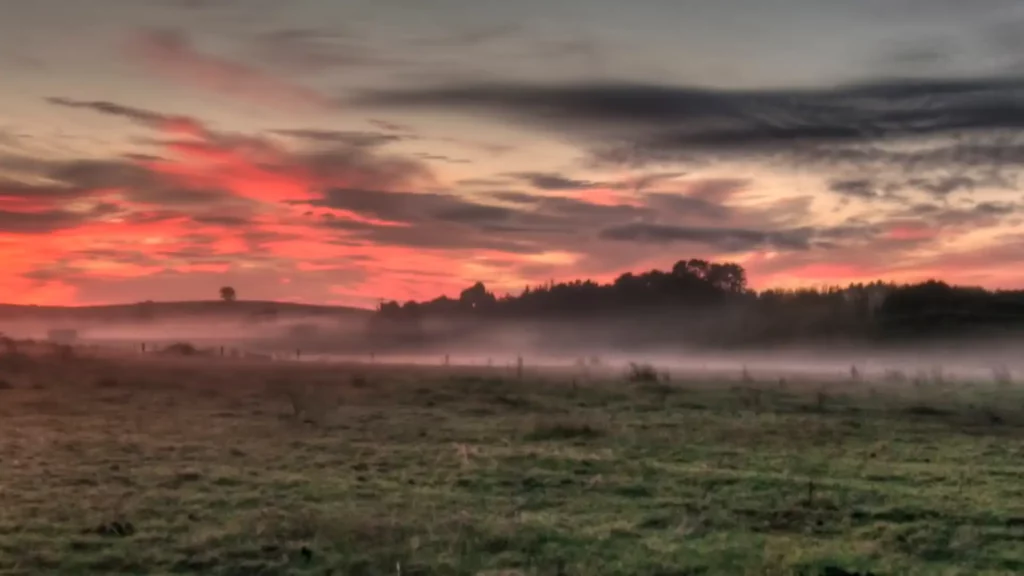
{"x": 227, "y": 294}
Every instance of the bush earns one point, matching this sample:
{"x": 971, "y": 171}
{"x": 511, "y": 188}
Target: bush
{"x": 180, "y": 349}
{"x": 642, "y": 373}
{"x": 310, "y": 404}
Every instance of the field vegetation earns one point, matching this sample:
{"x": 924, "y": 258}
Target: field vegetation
{"x": 220, "y": 466}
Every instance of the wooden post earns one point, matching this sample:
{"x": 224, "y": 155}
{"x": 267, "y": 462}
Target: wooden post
{"x": 519, "y": 367}
{"x": 447, "y": 360}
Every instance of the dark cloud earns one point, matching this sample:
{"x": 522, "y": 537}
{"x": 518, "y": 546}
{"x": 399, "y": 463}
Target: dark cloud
{"x": 716, "y": 189}
{"x": 689, "y": 205}
{"x": 12, "y": 222}
{"x": 937, "y": 186}
{"x": 93, "y": 174}
{"x": 551, "y": 181}
{"x": 488, "y": 182}
{"x": 442, "y": 238}
{"x": 44, "y": 193}
{"x": 943, "y": 186}
{"x": 76, "y": 179}
{"x": 137, "y": 115}
{"x": 226, "y": 221}
{"x": 388, "y": 206}
{"x": 536, "y": 223}
{"x": 474, "y": 213}
{"x": 441, "y": 158}
{"x": 861, "y": 188}
{"x": 344, "y": 153}
{"x": 978, "y": 215}
{"x": 414, "y": 208}
{"x": 346, "y": 137}
{"x": 180, "y": 197}
{"x": 641, "y": 183}
{"x": 360, "y": 167}
{"x": 723, "y": 238}
{"x": 331, "y": 157}
{"x": 587, "y": 213}
{"x": 853, "y": 123}
{"x": 515, "y": 197}
{"x": 706, "y": 118}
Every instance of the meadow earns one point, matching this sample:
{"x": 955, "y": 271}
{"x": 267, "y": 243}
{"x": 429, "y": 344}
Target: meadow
{"x": 230, "y": 467}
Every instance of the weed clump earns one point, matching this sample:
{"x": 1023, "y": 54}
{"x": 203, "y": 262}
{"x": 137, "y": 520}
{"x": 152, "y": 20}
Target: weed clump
{"x": 642, "y": 373}
{"x": 180, "y": 349}
{"x": 310, "y": 403}
{"x": 565, "y": 429}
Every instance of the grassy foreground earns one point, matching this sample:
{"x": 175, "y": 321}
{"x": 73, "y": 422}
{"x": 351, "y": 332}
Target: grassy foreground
{"x": 202, "y": 467}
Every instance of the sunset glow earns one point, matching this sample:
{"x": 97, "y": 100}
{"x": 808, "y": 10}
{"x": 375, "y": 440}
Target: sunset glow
{"x": 396, "y": 160}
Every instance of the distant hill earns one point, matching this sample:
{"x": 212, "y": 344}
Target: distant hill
{"x": 178, "y": 310}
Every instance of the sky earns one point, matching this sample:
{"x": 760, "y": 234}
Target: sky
{"x": 346, "y": 152}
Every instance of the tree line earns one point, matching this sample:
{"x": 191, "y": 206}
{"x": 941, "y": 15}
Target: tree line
{"x": 702, "y": 302}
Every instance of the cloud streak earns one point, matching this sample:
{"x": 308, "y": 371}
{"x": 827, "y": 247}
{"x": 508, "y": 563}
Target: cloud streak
{"x": 854, "y": 124}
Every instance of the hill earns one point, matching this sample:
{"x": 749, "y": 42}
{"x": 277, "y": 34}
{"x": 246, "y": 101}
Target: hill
{"x": 198, "y": 309}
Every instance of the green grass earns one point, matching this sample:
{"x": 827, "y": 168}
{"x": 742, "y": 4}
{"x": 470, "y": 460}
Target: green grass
{"x": 202, "y": 467}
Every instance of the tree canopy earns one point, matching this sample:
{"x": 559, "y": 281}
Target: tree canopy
{"x": 711, "y": 302}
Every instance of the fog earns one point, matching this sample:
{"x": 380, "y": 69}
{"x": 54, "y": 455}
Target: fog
{"x": 191, "y": 330}
{"x": 593, "y": 349}
{"x": 808, "y": 364}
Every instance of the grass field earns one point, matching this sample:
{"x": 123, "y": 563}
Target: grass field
{"x": 204, "y": 467}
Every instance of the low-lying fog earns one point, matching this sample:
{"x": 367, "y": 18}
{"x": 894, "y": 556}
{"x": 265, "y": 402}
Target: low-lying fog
{"x": 809, "y": 364}
{"x": 333, "y": 340}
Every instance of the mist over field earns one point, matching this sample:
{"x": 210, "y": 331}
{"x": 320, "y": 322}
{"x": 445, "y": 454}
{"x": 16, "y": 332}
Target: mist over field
{"x": 589, "y": 347}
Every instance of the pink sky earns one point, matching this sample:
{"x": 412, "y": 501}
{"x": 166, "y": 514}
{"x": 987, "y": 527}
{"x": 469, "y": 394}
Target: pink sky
{"x": 159, "y": 150}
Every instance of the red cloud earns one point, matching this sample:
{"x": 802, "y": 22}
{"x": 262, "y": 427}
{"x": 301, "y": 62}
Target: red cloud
{"x": 217, "y": 208}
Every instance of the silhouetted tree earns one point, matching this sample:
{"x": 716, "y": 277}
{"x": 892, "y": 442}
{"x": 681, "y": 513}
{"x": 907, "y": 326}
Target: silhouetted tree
{"x": 476, "y": 297}
{"x": 227, "y": 294}
{"x": 703, "y": 302}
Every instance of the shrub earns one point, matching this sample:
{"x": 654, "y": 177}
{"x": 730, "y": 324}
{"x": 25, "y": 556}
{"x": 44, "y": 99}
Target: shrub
{"x": 642, "y": 373}
{"x": 180, "y": 349}
{"x": 310, "y": 403}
